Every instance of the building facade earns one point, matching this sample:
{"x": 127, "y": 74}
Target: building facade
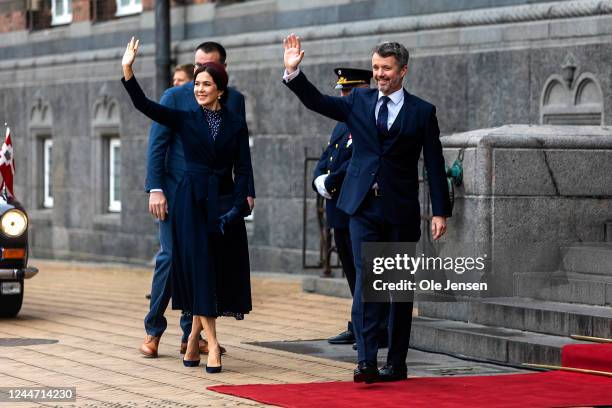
{"x": 81, "y": 147}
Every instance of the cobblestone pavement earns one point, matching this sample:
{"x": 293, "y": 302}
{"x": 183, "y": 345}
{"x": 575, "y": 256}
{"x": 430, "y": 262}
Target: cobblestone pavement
{"x": 81, "y": 326}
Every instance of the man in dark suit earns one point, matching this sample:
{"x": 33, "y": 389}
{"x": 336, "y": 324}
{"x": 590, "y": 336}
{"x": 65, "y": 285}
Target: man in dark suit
{"x": 328, "y": 177}
{"x": 165, "y": 167}
{"x": 390, "y": 128}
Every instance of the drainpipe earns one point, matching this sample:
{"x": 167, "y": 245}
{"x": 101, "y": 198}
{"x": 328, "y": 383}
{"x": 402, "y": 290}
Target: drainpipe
{"x": 162, "y": 46}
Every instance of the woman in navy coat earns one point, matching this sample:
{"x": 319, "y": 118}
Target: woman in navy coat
{"x": 209, "y": 199}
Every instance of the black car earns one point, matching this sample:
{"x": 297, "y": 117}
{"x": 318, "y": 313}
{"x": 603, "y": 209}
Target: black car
{"x": 13, "y": 255}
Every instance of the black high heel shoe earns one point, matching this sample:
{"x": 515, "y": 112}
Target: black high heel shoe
{"x": 191, "y": 363}
{"x": 217, "y": 369}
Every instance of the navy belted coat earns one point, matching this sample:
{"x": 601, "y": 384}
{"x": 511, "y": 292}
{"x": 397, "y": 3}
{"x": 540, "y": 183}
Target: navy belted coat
{"x": 214, "y": 168}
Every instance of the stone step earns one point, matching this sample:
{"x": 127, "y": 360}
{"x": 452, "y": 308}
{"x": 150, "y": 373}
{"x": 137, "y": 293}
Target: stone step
{"x": 567, "y": 287}
{"x": 487, "y": 342}
{"x": 541, "y": 316}
{"x": 591, "y": 259}
{"x": 337, "y": 287}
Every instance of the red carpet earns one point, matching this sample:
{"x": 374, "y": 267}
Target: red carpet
{"x": 551, "y": 389}
{"x": 589, "y": 356}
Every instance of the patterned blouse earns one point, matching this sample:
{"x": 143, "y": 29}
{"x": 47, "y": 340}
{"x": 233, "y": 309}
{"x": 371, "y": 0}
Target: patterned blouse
{"x": 213, "y": 118}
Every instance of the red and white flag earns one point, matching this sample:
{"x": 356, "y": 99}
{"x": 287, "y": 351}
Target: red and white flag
{"x": 7, "y": 164}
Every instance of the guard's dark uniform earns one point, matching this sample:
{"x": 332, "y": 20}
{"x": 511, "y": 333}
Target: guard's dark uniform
{"x": 333, "y": 162}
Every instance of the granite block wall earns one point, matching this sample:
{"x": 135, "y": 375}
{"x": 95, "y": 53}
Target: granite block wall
{"x": 484, "y": 64}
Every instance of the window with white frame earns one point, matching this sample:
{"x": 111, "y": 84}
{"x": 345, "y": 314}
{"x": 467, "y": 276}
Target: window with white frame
{"x": 114, "y": 175}
{"x": 127, "y": 7}
{"x": 61, "y": 12}
{"x": 47, "y": 173}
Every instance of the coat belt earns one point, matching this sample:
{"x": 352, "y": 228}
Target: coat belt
{"x": 205, "y": 182}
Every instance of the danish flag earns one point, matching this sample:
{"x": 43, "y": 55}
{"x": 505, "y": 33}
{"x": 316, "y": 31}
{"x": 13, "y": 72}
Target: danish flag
{"x": 7, "y": 164}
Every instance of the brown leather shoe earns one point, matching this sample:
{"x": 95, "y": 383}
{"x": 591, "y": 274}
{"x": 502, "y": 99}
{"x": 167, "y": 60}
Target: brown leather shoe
{"x": 149, "y": 346}
{"x": 203, "y": 347}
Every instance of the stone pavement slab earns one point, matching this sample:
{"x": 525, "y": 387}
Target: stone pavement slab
{"x": 81, "y": 326}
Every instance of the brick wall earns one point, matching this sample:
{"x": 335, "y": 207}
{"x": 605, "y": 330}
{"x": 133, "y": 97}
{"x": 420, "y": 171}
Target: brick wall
{"x": 14, "y": 17}
{"x": 12, "y": 21}
{"x": 104, "y": 10}
{"x": 81, "y": 10}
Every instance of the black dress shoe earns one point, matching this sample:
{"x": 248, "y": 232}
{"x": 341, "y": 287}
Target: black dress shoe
{"x": 390, "y": 373}
{"x": 365, "y": 372}
{"x": 346, "y": 337}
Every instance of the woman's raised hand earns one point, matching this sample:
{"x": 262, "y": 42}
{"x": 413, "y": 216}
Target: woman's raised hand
{"x": 130, "y": 53}
{"x": 129, "y": 56}
{"x": 293, "y": 52}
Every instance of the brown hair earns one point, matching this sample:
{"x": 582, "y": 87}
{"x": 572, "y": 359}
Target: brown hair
{"x": 186, "y": 68}
{"x": 393, "y": 49}
{"x": 218, "y": 74}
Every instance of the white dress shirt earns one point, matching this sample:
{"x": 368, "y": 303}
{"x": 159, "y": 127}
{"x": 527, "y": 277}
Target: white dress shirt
{"x": 394, "y": 105}
{"x": 289, "y": 76}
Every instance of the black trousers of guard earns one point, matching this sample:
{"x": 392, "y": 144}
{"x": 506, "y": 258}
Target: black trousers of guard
{"x": 342, "y": 237}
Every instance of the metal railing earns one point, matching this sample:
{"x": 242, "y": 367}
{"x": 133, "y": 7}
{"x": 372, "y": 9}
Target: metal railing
{"x": 326, "y": 247}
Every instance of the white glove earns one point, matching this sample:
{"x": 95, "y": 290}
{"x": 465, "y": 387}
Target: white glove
{"x": 319, "y": 183}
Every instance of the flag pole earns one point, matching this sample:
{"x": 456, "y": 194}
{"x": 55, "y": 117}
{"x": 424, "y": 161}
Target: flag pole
{"x": 3, "y": 183}
{"x": 4, "y": 191}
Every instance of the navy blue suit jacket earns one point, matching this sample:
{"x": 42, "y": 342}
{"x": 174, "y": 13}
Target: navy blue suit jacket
{"x": 393, "y": 163}
{"x": 333, "y": 162}
{"x": 165, "y": 153}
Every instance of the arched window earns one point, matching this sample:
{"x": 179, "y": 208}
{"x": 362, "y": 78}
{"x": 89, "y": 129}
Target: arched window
{"x": 41, "y": 140}
{"x": 578, "y": 103}
{"x": 106, "y": 149}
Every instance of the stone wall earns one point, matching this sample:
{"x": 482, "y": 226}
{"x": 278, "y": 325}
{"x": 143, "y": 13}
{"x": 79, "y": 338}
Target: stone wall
{"x": 481, "y": 67}
{"x": 527, "y": 190}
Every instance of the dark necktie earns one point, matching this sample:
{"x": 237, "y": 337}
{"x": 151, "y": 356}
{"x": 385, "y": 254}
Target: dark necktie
{"x": 383, "y": 117}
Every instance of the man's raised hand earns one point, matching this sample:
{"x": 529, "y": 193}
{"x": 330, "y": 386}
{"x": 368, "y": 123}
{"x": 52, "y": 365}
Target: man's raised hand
{"x": 293, "y": 52}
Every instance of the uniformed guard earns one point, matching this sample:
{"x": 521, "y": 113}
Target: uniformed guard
{"x": 328, "y": 178}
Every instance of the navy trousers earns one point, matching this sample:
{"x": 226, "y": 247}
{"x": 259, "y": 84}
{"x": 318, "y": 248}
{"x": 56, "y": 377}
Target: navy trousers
{"x": 368, "y": 225}
{"x": 155, "y": 322}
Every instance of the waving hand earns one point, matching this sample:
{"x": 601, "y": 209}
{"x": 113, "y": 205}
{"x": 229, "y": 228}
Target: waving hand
{"x": 129, "y": 57}
{"x": 293, "y": 52}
